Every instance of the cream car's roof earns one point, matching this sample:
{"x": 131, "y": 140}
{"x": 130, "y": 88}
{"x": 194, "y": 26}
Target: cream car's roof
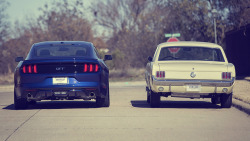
{"x": 189, "y": 43}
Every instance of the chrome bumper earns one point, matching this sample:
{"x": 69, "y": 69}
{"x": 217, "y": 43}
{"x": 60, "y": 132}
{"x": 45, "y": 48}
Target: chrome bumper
{"x": 179, "y": 82}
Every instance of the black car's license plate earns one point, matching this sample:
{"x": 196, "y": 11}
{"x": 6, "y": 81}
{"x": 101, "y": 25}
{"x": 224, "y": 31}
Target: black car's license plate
{"x": 60, "y": 80}
{"x": 60, "y": 93}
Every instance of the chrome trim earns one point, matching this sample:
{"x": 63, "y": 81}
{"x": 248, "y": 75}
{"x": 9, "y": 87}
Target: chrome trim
{"x": 182, "y": 82}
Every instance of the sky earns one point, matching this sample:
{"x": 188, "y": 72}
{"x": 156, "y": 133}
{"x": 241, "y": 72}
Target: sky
{"x": 20, "y": 9}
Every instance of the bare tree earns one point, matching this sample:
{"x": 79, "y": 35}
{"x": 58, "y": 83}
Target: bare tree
{"x": 3, "y": 21}
{"x": 59, "y": 21}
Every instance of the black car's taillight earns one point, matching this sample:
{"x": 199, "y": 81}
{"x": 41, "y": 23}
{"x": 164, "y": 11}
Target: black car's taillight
{"x": 91, "y": 67}
{"x": 29, "y": 68}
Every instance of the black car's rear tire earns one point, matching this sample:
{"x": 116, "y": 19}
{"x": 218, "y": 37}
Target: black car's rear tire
{"x": 20, "y": 103}
{"x": 226, "y": 100}
{"x": 103, "y": 102}
{"x": 155, "y": 99}
{"x": 215, "y": 100}
{"x": 148, "y": 97}
{"x": 32, "y": 102}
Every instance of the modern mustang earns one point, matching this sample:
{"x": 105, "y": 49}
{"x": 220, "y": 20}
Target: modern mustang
{"x": 58, "y": 70}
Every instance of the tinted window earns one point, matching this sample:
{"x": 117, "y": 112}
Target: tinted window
{"x": 191, "y": 53}
{"x": 60, "y": 51}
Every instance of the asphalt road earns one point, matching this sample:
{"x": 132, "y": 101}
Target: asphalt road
{"x": 129, "y": 118}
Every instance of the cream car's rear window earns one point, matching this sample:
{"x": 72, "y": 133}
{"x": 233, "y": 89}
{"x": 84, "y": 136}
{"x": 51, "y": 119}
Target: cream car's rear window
{"x": 191, "y": 53}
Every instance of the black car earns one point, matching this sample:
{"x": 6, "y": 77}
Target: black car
{"x": 58, "y": 70}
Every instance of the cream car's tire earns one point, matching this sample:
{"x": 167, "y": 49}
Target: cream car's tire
{"x": 215, "y": 100}
{"x": 155, "y": 99}
{"x": 226, "y": 100}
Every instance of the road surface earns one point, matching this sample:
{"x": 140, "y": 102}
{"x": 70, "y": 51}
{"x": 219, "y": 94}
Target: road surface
{"x": 129, "y": 118}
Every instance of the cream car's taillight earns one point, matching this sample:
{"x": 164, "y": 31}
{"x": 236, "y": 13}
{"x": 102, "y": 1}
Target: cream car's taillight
{"x": 160, "y": 74}
{"x": 226, "y": 75}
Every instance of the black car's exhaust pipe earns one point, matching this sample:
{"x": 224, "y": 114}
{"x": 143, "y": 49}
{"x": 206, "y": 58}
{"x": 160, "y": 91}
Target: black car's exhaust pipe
{"x": 92, "y": 94}
{"x": 28, "y": 95}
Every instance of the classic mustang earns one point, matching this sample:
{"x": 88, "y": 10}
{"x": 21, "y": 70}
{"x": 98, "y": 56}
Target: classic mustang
{"x": 61, "y": 70}
{"x": 190, "y": 70}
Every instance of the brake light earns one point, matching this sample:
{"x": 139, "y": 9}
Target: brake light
{"x": 85, "y": 68}
{"x": 226, "y": 75}
{"x": 29, "y": 69}
{"x": 96, "y": 67}
{"x": 35, "y": 69}
{"x": 160, "y": 74}
{"x": 91, "y": 68}
{"x": 24, "y": 69}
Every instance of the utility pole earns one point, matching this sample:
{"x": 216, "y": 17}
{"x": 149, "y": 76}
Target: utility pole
{"x": 214, "y": 12}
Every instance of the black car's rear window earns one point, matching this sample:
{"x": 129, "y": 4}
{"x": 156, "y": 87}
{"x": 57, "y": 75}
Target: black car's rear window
{"x": 191, "y": 53}
{"x": 60, "y": 51}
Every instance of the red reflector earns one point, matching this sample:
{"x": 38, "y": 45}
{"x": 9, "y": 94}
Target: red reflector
{"x": 35, "y": 69}
{"x": 96, "y": 68}
{"x": 90, "y": 89}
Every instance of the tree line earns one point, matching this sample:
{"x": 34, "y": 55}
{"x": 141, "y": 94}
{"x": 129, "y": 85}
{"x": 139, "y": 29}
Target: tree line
{"x": 130, "y": 29}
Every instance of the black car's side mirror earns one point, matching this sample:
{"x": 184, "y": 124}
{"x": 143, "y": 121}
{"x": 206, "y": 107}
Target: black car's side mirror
{"x": 107, "y": 57}
{"x": 18, "y": 59}
{"x": 150, "y": 59}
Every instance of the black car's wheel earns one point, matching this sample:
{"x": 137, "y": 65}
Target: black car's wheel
{"x": 103, "y": 102}
{"x": 148, "y": 97}
{"x": 215, "y": 100}
{"x": 155, "y": 99}
{"x": 226, "y": 100}
{"x": 20, "y": 103}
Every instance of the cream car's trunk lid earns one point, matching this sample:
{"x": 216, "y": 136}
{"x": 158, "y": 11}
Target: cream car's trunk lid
{"x": 193, "y": 70}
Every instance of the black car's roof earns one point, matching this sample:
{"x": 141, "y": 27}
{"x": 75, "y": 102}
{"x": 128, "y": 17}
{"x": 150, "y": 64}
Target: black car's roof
{"x": 91, "y": 54}
{"x": 63, "y": 42}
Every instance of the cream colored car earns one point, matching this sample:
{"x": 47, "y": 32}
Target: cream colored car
{"x": 190, "y": 70}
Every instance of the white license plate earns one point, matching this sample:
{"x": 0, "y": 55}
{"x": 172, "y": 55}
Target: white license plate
{"x": 60, "y": 93}
{"x": 193, "y": 88}
{"x": 60, "y": 80}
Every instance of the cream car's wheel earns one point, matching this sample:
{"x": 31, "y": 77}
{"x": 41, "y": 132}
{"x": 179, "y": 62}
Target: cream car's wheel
{"x": 155, "y": 99}
{"x": 226, "y": 100}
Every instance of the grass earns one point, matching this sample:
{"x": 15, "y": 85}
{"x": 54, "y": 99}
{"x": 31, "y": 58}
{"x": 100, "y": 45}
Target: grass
{"x": 7, "y": 79}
